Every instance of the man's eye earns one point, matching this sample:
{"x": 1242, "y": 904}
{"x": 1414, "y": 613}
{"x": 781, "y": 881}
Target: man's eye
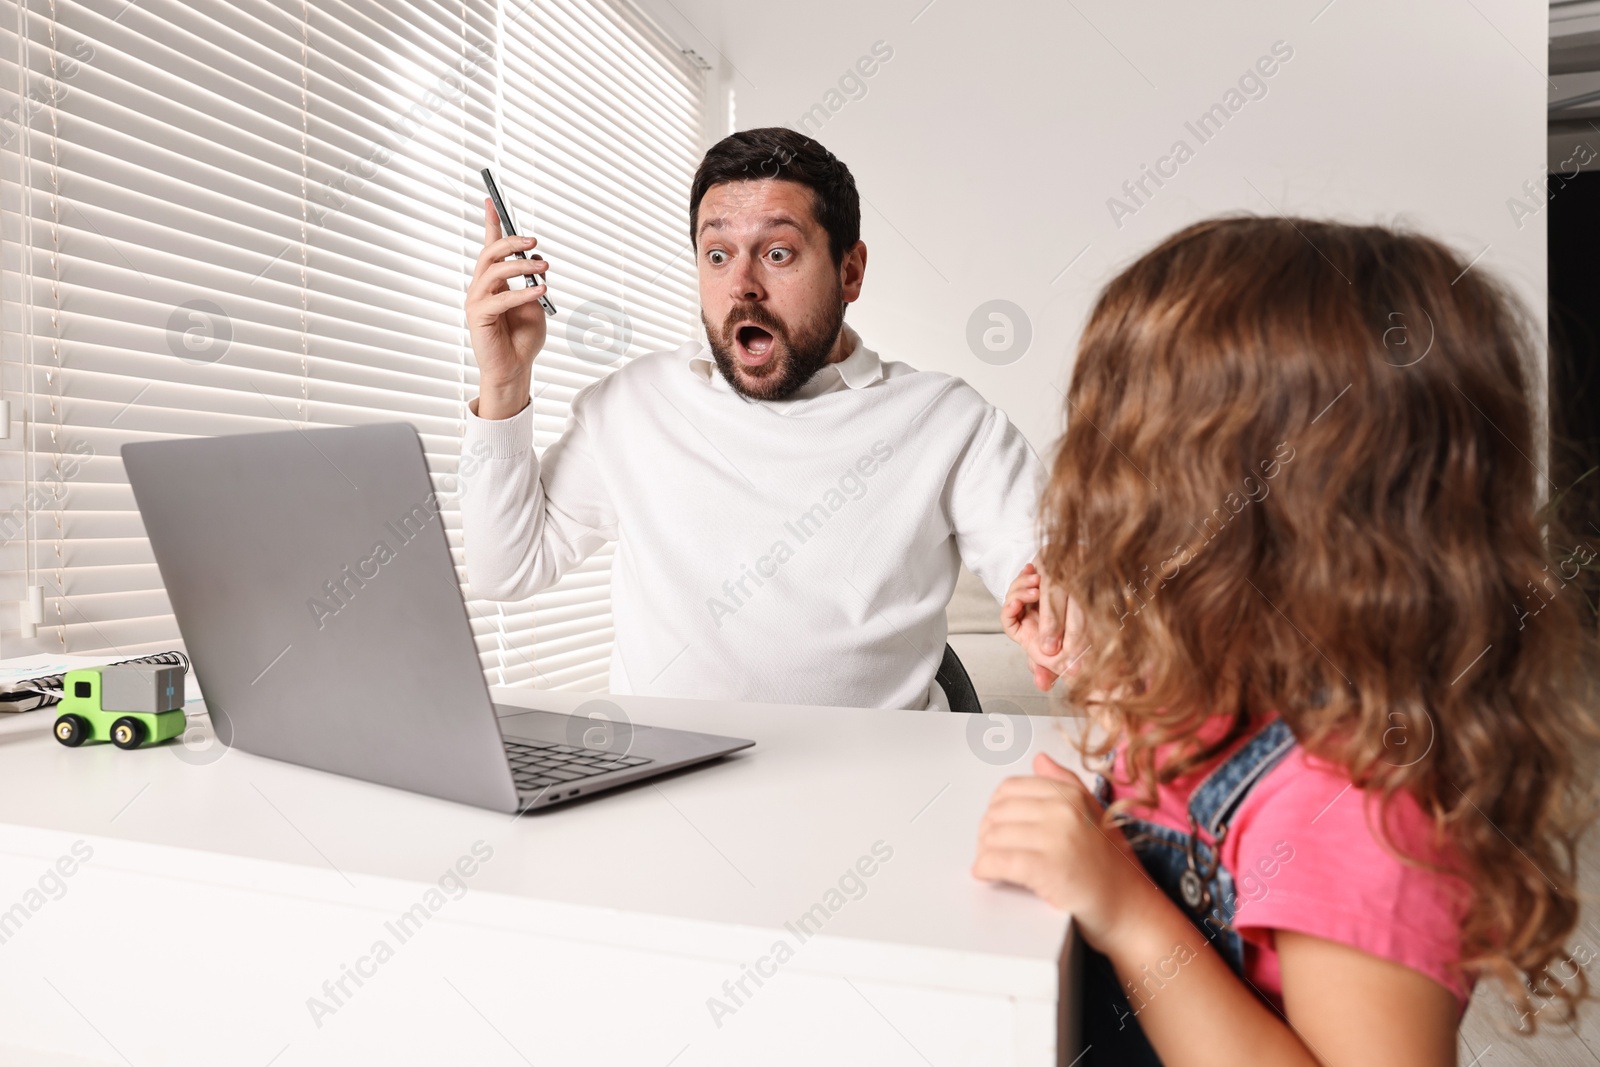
{"x": 780, "y": 255}
{"x": 717, "y": 257}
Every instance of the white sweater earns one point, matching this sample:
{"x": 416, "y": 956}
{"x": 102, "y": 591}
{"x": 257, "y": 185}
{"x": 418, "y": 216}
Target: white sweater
{"x": 798, "y": 551}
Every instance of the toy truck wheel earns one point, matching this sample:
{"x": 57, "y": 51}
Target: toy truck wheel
{"x": 127, "y": 733}
{"x": 71, "y": 730}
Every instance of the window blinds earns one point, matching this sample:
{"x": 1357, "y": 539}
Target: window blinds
{"x": 263, "y": 214}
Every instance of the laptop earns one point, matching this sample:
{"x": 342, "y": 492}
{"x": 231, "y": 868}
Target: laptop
{"x": 312, "y": 581}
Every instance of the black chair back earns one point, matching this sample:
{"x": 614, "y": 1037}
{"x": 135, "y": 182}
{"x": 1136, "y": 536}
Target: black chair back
{"x": 959, "y": 691}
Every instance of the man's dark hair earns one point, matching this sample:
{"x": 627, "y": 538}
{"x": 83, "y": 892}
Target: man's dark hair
{"x": 779, "y": 152}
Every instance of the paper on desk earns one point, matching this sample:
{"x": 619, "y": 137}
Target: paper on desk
{"x": 17, "y": 671}
{"x": 20, "y": 669}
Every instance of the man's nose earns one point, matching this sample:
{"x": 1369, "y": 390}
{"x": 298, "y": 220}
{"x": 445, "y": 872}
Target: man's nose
{"x": 744, "y": 283}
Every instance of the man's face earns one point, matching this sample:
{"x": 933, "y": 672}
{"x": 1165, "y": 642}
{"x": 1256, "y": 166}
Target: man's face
{"x": 771, "y": 298}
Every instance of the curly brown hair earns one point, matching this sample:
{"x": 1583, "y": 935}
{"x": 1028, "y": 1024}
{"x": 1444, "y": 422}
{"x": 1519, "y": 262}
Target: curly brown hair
{"x": 1301, "y": 474}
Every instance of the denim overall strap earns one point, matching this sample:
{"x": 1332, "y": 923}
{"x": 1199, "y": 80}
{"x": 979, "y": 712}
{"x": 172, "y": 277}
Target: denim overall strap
{"x": 1217, "y": 797}
{"x": 1111, "y": 1032}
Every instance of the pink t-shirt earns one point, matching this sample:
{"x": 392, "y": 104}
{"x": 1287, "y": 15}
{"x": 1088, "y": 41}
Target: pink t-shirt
{"x": 1304, "y": 857}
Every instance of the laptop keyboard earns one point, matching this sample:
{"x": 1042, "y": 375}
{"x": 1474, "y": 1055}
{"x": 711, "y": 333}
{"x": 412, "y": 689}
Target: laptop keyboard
{"x": 543, "y": 765}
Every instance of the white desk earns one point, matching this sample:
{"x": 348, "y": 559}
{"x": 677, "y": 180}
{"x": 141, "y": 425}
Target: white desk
{"x": 224, "y": 889}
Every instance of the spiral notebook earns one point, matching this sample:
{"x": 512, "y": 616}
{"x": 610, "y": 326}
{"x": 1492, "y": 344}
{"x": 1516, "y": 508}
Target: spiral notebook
{"x": 36, "y": 681}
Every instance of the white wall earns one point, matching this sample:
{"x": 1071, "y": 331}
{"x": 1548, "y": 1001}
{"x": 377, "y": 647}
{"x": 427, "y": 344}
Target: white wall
{"x": 987, "y": 146}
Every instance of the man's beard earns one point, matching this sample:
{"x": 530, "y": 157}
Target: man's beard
{"x": 796, "y": 356}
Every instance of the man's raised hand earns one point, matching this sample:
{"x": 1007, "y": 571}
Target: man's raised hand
{"x": 507, "y": 326}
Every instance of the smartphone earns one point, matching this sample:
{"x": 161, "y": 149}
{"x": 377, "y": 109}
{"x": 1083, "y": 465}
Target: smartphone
{"x": 508, "y": 229}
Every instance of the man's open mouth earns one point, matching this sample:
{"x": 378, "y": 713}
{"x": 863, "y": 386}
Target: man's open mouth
{"x": 754, "y": 344}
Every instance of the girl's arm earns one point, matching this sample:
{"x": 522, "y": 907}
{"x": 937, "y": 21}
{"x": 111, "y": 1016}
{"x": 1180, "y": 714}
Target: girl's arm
{"x": 1353, "y": 1007}
{"x": 1343, "y": 1006}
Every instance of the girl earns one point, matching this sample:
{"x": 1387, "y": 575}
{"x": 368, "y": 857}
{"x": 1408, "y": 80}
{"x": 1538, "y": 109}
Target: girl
{"x": 1344, "y": 706}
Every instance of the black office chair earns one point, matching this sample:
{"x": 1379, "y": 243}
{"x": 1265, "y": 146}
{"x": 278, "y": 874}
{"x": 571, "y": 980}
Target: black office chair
{"x": 959, "y": 691}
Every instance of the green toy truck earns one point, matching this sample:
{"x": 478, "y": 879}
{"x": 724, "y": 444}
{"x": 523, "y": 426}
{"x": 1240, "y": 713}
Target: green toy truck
{"x": 128, "y": 706}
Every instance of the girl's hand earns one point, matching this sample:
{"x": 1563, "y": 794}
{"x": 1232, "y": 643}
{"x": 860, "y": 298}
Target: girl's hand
{"x": 1035, "y": 617}
{"x": 1019, "y": 618}
{"x": 1048, "y": 834}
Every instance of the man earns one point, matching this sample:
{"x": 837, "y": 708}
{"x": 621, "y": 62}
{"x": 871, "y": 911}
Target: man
{"x": 790, "y": 511}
